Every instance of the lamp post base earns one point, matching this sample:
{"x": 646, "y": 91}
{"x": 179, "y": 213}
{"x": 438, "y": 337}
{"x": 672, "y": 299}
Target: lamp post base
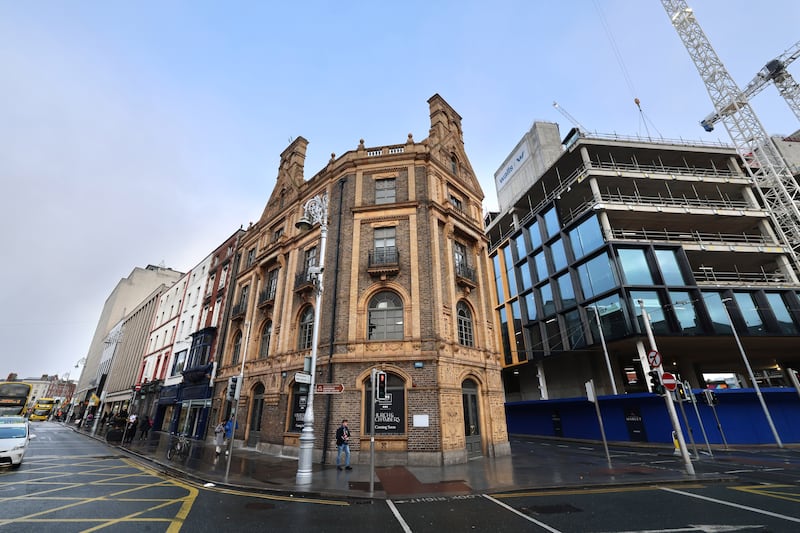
{"x": 305, "y": 458}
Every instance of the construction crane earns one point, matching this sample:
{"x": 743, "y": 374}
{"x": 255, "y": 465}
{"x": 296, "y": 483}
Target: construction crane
{"x": 777, "y": 188}
{"x": 774, "y": 71}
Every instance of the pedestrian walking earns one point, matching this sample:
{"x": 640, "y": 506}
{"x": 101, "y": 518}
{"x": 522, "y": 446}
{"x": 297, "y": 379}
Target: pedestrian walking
{"x": 229, "y": 428}
{"x": 343, "y": 446}
{"x": 130, "y": 428}
{"x": 144, "y": 426}
{"x": 219, "y": 438}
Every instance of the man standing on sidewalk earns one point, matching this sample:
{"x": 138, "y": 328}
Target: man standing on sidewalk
{"x": 343, "y": 445}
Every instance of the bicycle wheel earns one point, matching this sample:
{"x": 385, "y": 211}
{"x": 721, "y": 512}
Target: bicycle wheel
{"x": 170, "y": 453}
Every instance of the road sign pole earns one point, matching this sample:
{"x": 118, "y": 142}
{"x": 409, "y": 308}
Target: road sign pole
{"x": 673, "y": 415}
{"x": 372, "y": 436}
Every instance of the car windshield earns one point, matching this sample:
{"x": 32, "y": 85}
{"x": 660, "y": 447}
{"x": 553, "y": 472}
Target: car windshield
{"x": 12, "y": 433}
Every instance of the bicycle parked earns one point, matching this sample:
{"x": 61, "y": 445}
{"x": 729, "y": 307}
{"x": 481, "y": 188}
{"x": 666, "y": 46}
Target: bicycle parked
{"x": 180, "y": 446}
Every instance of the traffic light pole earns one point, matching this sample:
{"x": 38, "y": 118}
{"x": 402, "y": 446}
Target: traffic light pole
{"x": 372, "y": 433}
{"x": 673, "y": 415}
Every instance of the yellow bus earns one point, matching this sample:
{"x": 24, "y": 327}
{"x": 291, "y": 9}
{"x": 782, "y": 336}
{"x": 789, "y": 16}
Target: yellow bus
{"x": 14, "y": 396}
{"x": 42, "y": 409}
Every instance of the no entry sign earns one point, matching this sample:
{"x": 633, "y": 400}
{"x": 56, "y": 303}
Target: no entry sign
{"x": 669, "y": 381}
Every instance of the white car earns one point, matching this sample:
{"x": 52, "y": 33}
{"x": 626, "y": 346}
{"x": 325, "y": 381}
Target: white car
{"x": 14, "y": 436}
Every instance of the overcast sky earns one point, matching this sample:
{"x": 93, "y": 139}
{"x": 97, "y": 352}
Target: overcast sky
{"x": 135, "y": 133}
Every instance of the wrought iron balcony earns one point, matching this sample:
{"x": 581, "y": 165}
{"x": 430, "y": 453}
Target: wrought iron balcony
{"x": 239, "y": 310}
{"x": 384, "y": 261}
{"x": 465, "y": 276}
{"x": 267, "y": 297}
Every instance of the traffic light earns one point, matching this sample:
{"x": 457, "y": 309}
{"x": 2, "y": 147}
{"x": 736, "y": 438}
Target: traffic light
{"x": 710, "y": 397}
{"x": 655, "y": 381}
{"x": 681, "y": 392}
{"x": 381, "y": 394}
{"x": 233, "y": 383}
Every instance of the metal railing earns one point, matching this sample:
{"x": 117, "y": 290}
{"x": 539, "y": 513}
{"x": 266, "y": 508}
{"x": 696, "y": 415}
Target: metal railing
{"x": 466, "y": 272}
{"x": 691, "y": 236}
{"x": 384, "y": 256}
{"x": 706, "y": 276}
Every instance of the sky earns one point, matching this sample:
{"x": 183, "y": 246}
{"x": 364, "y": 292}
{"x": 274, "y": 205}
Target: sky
{"x": 147, "y": 132}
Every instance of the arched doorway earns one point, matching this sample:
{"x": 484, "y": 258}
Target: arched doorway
{"x": 472, "y": 426}
{"x": 255, "y": 415}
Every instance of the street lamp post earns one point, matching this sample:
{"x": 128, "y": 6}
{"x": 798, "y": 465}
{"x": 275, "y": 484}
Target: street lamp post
{"x": 315, "y": 211}
{"x": 605, "y": 349}
{"x": 752, "y": 377}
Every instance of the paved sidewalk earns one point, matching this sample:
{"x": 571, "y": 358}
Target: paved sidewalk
{"x": 534, "y": 464}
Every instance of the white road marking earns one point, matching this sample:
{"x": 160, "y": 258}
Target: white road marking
{"x": 523, "y": 515}
{"x": 397, "y": 515}
{"x": 735, "y": 505}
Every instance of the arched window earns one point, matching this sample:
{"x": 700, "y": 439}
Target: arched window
{"x": 465, "y": 336}
{"x": 306, "y": 329}
{"x": 385, "y": 317}
{"x": 453, "y": 164}
{"x": 266, "y": 334}
{"x": 237, "y": 347}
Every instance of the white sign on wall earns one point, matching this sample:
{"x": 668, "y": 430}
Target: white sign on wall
{"x": 420, "y": 421}
{"x": 504, "y": 175}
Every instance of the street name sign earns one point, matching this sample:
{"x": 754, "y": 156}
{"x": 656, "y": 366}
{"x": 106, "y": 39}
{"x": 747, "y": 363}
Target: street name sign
{"x": 302, "y": 377}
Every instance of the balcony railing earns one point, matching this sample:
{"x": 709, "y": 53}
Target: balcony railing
{"x": 708, "y": 276}
{"x": 267, "y": 296}
{"x": 465, "y": 276}
{"x": 239, "y": 309}
{"x": 384, "y": 261}
{"x": 691, "y": 236}
{"x": 304, "y": 280}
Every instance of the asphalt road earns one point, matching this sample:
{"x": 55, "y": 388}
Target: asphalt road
{"x": 69, "y": 482}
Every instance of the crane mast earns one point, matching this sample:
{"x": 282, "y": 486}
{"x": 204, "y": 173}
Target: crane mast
{"x": 775, "y": 184}
{"x": 774, "y": 71}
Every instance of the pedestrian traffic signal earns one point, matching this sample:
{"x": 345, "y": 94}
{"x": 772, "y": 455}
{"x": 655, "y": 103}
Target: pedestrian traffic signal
{"x": 380, "y": 379}
{"x": 655, "y": 381}
{"x": 233, "y": 386}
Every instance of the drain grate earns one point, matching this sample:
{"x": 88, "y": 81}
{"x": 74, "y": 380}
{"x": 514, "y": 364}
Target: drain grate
{"x": 559, "y": 508}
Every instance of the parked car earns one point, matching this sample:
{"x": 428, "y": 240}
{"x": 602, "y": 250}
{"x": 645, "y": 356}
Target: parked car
{"x": 14, "y": 437}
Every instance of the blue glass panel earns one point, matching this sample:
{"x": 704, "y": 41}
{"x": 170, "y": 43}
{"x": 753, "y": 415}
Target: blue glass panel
{"x": 575, "y": 333}
{"x": 652, "y": 305}
{"x": 541, "y": 266}
{"x": 611, "y": 317}
{"x": 558, "y": 254}
{"x": 498, "y": 280}
{"x": 525, "y": 276}
{"x": 670, "y": 271}
{"x": 504, "y": 335}
{"x": 530, "y": 306}
{"x": 634, "y": 266}
{"x": 535, "y": 235}
{"x": 519, "y": 242}
{"x": 750, "y": 312}
{"x": 551, "y": 225}
{"x": 717, "y": 313}
{"x": 785, "y": 322}
{"x": 597, "y": 276}
{"x": 586, "y": 237}
{"x": 548, "y": 304}
{"x": 685, "y": 312}
{"x": 510, "y": 277}
{"x": 566, "y": 290}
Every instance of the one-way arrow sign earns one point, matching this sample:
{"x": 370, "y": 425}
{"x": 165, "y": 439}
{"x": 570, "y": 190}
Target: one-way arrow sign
{"x": 328, "y": 388}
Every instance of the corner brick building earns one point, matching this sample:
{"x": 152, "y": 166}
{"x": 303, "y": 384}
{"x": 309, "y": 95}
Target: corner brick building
{"x": 408, "y": 289}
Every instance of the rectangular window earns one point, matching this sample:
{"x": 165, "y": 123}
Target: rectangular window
{"x": 541, "y": 266}
{"x": 597, "y": 276}
{"x": 530, "y": 306}
{"x": 609, "y": 311}
{"x": 750, "y": 312}
{"x": 510, "y": 277}
{"x": 548, "y": 303}
{"x": 670, "y": 268}
{"x": 785, "y": 322}
{"x": 635, "y": 267}
{"x": 519, "y": 244}
{"x": 566, "y": 291}
{"x": 385, "y": 191}
{"x": 251, "y": 256}
{"x": 498, "y": 278}
{"x": 652, "y": 304}
{"x": 504, "y": 334}
{"x": 685, "y": 312}
{"x": 180, "y": 361}
{"x": 535, "y": 235}
{"x": 310, "y": 260}
{"x": 551, "y": 225}
{"x": 558, "y": 254}
{"x": 717, "y": 313}
{"x": 525, "y": 275}
{"x": 277, "y": 233}
{"x": 272, "y": 284}
{"x": 456, "y": 202}
{"x": 586, "y": 237}
{"x": 574, "y": 325}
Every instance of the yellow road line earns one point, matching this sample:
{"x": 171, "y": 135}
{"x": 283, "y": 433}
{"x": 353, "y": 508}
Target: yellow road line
{"x": 769, "y": 491}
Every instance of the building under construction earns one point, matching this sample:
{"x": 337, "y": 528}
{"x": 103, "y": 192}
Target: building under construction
{"x": 598, "y": 228}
